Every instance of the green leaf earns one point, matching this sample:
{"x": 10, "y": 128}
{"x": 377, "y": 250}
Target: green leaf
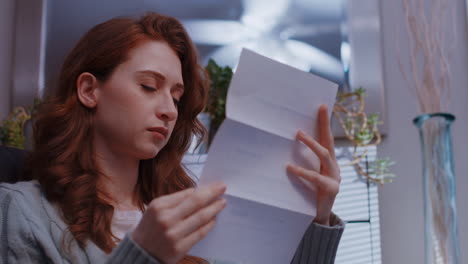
{"x": 220, "y": 78}
{"x": 361, "y": 92}
{"x": 364, "y": 136}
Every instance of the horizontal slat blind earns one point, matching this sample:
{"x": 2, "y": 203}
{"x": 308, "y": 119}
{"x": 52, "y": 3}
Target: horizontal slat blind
{"x": 357, "y": 203}
{"x": 355, "y": 245}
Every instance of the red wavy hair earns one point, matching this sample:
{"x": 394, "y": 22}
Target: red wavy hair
{"x": 63, "y": 157}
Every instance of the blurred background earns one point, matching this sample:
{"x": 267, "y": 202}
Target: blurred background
{"x": 351, "y": 42}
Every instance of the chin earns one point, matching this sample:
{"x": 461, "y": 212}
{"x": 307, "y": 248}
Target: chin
{"x": 148, "y": 152}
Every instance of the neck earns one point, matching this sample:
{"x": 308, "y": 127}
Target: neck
{"x": 121, "y": 175}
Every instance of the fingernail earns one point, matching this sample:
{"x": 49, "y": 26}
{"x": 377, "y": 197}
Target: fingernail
{"x": 299, "y": 133}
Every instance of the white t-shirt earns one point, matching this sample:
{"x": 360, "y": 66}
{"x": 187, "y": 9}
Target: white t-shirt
{"x": 124, "y": 221}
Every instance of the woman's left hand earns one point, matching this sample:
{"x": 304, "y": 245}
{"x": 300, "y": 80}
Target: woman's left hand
{"x": 327, "y": 181}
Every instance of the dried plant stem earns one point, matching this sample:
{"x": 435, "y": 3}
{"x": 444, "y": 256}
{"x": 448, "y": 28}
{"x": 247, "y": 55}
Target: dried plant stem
{"x": 351, "y": 106}
{"x": 429, "y": 63}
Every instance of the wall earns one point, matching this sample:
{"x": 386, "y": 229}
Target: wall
{"x": 28, "y": 55}
{"x": 401, "y": 211}
{"x": 21, "y": 59}
{"x": 7, "y": 19}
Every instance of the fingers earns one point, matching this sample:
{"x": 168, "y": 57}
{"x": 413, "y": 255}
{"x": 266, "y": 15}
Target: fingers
{"x": 326, "y": 157}
{"x": 325, "y": 133}
{"x": 172, "y": 224}
{"x": 187, "y": 243}
{"x": 331, "y": 186}
{"x": 308, "y": 175}
{"x": 171, "y": 200}
{"x": 200, "y": 198}
{"x": 199, "y": 219}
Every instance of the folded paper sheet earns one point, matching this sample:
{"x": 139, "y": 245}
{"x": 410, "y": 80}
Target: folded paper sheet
{"x": 268, "y": 210}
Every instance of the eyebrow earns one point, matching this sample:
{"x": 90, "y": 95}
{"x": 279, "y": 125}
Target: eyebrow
{"x": 160, "y": 76}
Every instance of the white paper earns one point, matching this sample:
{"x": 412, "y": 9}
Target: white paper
{"x": 253, "y": 233}
{"x": 275, "y": 97}
{"x": 267, "y": 211}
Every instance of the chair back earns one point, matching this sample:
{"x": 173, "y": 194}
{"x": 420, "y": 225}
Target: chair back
{"x": 11, "y": 164}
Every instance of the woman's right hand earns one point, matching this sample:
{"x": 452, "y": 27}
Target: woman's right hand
{"x": 173, "y": 224}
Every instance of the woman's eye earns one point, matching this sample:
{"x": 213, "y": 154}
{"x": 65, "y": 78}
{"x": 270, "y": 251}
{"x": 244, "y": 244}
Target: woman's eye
{"x": 152, "y": 89}
{"x": 148, "y": 88}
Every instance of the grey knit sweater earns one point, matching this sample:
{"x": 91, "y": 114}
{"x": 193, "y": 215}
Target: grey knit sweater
{"x": 32, "y": 231}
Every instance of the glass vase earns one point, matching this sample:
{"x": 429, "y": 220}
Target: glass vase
{"x": 440, "y": 213}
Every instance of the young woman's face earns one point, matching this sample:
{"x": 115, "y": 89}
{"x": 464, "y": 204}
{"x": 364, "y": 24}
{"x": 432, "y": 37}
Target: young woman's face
{"x": 137, "y": 106}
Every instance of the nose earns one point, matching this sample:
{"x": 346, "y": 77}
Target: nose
{"x": 166, "y": 109}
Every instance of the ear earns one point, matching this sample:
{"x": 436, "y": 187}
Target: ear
{"x": 87, "y": 89}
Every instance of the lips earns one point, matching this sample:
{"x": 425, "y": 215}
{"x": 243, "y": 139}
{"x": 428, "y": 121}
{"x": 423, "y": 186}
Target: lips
{"x": 161, "y": 130}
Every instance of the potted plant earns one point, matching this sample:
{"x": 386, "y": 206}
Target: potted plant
{"x": 15, "y": 130}
{"x": 361, "y": 129}
{"x": 12, "y": 128}
{"x": 220, "y": 78}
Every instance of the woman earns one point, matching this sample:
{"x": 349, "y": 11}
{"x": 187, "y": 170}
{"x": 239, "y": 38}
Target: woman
{"x": 107, "y": 181}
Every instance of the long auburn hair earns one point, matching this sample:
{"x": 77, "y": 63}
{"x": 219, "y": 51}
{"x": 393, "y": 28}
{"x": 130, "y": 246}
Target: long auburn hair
{"x": 63, "y": 158}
